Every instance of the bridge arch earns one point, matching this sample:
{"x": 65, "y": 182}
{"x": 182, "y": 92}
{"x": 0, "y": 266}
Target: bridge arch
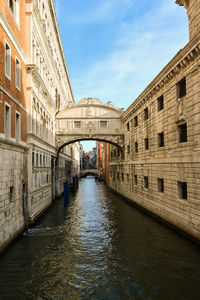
{"x": 89, "y": 120}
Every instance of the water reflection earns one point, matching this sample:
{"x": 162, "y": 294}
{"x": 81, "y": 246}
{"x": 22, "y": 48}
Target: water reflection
{"x": 100, "y": 248}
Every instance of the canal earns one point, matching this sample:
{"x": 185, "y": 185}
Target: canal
{"x": 99, "y": 247}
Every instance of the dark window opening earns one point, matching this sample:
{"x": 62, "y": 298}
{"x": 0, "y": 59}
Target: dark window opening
{"x": 146, "y": 182}
{"x": 136, "y": 146}
{"x": 160, "y": 103}
{"x": 182, "y": 190}
{"x": 181, "y": 88}
{"x": 161, "y": 185}
{"x": 182, "y": 133}
{"x": 122, "y": 176}
{"x": 146, "y": 113}
{"x": 128, "y": 149}
{"x": 135, "y": 179}
{"x": 161, "y": 139}
{"x": 128, "y": 126}
{"x": 136, "y": 121}
{"x": 11, "y": 193}
{"x": 128, "y": 177}
{"x": 146, "y": 144}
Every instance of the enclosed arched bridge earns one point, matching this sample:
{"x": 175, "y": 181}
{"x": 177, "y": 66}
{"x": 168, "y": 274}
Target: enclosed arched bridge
{"x": 89, "y": 120}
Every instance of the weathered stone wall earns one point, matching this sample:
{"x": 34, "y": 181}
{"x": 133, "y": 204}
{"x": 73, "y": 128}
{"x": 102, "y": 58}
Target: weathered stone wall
{"x": 164, "y": 176}
{"x": 12, "y": 178}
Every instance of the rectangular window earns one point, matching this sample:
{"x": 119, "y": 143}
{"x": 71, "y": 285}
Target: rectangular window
{"x": 12, "y": 193}
{"x": 33, "y": 159}
{"x": 136, "y": 121}
{"x": 17, "y": 127}
{"x": 146, "y": 144}
{"x": 11, "y": 5}
{"x": 128, "y": 149}
{"x": 161, "y": 139}
{"x": 182, "y": 133}
{"x": 77, "y": 124}
{"x": 136, "y": 147}
{"x": 181, "y": 88}
{"x": 135, "y": 179}
{"x": 146, "y": 113}
{"x": 146, "y": 182}
{"x": 160, "y": 182}
{"x": 128, "y": 126}
{"x": 7, "y": 124}
{"x": 182, "y": 190}
{"x": 7, "y": 61}
{"x": 122, "y": 176}
{"x": 103, "y": 124}
{"x": 160, "y": 103}
{"x": 17, "y": 74}
{"x": 118, "y": 176}
{"x": 36, "y": 159}
{"x": 127, "y": 177}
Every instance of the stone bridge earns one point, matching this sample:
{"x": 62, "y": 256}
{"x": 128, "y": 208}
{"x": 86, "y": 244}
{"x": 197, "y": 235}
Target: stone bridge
{"x": 90, "y": 171}
{"x": 89, "y": 120}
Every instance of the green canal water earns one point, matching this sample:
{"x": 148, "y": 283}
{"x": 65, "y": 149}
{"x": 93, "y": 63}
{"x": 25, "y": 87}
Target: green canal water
{"x": 100, "y": 247}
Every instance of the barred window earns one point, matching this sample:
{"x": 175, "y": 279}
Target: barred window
{"x": 103, "y": 124}
{"x": 77, "y": 124}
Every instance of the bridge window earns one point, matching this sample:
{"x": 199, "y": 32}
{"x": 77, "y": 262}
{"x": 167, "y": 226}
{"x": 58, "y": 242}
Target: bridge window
{"x": 160, "y": 103}
{"x": 103, "y": 124}
{"x": 181, "y": 88}
{"x": 77, "y": 124}
{"x": 160, "y": 182}
{"x": 182, "y": 190}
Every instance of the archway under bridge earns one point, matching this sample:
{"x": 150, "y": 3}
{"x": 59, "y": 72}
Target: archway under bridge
{"x": 89, "y": 120}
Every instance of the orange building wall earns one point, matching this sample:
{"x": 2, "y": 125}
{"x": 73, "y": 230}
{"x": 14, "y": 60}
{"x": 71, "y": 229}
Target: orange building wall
{"x": 9, "y": 85}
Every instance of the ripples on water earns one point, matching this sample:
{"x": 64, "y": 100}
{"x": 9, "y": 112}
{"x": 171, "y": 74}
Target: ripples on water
{"x": 99, "y": 248}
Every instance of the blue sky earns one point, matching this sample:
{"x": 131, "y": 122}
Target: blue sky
{"x": 114, "y": 48}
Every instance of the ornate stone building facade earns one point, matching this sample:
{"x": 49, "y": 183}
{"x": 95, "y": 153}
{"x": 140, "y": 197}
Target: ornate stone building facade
{"x": 13, "y": 177}
{"x": 34, "y": 86}
{"x": 161, "y": 168}
{"x": 48, "y": 91}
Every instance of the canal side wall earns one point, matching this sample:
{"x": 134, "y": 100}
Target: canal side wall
{"x": 12, "y": 177}
{"x": 161, "y": 166}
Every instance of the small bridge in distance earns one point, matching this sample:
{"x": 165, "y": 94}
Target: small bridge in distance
{"x": 85, "y": 172}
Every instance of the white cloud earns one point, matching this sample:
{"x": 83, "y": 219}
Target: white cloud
{"x": 142, "y": 49}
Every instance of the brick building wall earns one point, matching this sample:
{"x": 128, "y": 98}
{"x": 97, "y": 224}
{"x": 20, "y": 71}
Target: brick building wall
{"x": 13, "y": 119}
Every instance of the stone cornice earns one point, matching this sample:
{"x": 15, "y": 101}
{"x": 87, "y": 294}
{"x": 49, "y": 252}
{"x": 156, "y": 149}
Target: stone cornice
{"x": 184, "y": 3}
{"x": 180, "y": 61}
